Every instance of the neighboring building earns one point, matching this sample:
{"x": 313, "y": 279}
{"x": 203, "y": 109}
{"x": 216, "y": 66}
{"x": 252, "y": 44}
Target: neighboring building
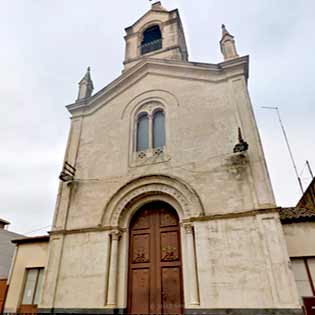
{"x": 25, "y": 283}
{"x": 299, "y": 232}
{"x": 169, "y": 207}
{"x": 6, "y": 255}
{"x": 308, "y": 199}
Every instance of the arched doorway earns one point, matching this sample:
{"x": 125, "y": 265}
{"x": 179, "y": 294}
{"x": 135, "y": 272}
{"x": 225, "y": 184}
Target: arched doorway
{"x": 155, "y": 264}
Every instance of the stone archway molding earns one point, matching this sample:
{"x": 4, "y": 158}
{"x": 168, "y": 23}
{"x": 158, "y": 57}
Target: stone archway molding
{"x": 164, "y": 97}
{"x": 130, "y": 197}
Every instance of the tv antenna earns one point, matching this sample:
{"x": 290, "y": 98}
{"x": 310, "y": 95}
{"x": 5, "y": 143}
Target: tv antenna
{"x": 288, "y": 145}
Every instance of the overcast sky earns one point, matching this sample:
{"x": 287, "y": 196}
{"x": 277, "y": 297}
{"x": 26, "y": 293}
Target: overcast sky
{"x": 47, "y": 45}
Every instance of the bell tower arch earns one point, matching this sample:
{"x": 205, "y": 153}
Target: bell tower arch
{"x": 157, "y": 34}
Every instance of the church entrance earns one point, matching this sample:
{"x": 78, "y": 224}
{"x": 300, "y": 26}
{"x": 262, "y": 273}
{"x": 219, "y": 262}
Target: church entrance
{"x": 155, "y": 266}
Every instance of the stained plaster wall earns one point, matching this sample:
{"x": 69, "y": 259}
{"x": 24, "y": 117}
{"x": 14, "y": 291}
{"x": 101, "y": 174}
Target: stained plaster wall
{"x": 203, "y": 123}
{"x": 243, "y": 263}
{"x": 201, "y": 131}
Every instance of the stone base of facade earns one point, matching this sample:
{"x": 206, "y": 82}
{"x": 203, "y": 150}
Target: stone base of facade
{"x": 222, "y": 311}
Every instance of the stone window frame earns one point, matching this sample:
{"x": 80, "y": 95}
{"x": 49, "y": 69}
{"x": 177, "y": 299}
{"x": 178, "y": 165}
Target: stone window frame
{"x": 151, "y": 155}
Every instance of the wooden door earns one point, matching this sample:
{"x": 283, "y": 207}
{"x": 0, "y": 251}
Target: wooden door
{"x": 3, "y": 293}
{"x": 155, "y": 267}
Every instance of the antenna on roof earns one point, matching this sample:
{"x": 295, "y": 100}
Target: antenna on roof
{"x": 288, "y": 145}
{"x": 309, "y": 168}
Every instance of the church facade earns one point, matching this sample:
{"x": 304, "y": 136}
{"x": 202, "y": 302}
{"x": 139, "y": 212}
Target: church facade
{"x": 170, "y": 209}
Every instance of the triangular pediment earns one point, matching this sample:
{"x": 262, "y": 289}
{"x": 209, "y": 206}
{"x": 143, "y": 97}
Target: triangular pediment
{"x": 163, "y": 68}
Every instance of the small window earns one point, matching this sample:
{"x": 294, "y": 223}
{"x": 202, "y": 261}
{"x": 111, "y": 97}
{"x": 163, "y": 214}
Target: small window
{"x": 142, "y": 132}
{"x": 152, "y": 40}
{"x": 158, "y": 129}
{"x": 150, "y": 131}
{"x": 33, "y": 286}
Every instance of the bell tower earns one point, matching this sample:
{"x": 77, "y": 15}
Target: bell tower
{"x": 157, "y": 34}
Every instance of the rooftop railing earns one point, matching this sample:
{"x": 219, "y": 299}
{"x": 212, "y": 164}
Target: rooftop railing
{"x": 151, "y": 46}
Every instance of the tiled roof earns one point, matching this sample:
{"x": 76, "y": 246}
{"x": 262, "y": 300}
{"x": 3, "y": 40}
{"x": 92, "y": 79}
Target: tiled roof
{"x": 297, "y": 214}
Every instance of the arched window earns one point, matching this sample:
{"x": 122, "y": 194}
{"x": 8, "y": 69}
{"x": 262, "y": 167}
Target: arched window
{"x": 158, "y": 129}
{"x": 142, "y": 132}
{"x": 152, "y": 40}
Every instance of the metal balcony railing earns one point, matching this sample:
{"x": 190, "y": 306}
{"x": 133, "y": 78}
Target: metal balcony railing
{"x": 151, "y": 46}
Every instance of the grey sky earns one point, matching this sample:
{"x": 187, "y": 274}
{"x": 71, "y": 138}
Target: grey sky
{"x": 47, "y": 45}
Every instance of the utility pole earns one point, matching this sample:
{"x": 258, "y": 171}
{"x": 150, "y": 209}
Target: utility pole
{"x": 288, "y": 145}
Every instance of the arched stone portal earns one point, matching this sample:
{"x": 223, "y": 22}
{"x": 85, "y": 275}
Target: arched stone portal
{"x": 118, "y": 214}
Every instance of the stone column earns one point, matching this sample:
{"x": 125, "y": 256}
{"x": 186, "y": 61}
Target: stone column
{"x": 113, "y": 270}
{"x": 150, "y": 130}
{"x": 192, "y": 270}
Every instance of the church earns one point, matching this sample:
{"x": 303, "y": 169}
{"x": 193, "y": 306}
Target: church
{"x": 165, "y": 205}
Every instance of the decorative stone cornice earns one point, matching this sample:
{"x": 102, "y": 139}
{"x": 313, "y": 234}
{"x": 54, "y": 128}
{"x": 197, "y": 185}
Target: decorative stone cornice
{"x": 186, "y": 223}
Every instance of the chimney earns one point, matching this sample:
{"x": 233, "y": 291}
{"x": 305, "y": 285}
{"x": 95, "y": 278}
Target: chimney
{"x": 3, "y": 224}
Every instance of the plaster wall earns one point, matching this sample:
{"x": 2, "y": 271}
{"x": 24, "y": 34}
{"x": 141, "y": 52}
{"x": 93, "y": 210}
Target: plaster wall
{"x": 27, "y": 256}
{"x": 203, "y": 110}
{"x": 243, "y": 263}
{"x": 300, "y": 239}
{"x": 86, "y": 274}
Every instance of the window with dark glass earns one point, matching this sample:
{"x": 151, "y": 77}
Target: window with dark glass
{"x": 33, "y": 286}
{"x": 142, "y": 132}
{"x": 158, "y": 129}
{"x": 152, "y": 39}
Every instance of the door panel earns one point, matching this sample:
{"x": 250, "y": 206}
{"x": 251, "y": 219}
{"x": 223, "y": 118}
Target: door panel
{"x": 169, "y": 246}
{"x": 141, "y": 248}
{"x": 141, "y": 291}
{"x": 155, "y": 274}
{"x": 171, "y": 281}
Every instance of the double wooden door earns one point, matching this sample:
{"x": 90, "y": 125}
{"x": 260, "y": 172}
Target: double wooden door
{"x": 155, "y": 267}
